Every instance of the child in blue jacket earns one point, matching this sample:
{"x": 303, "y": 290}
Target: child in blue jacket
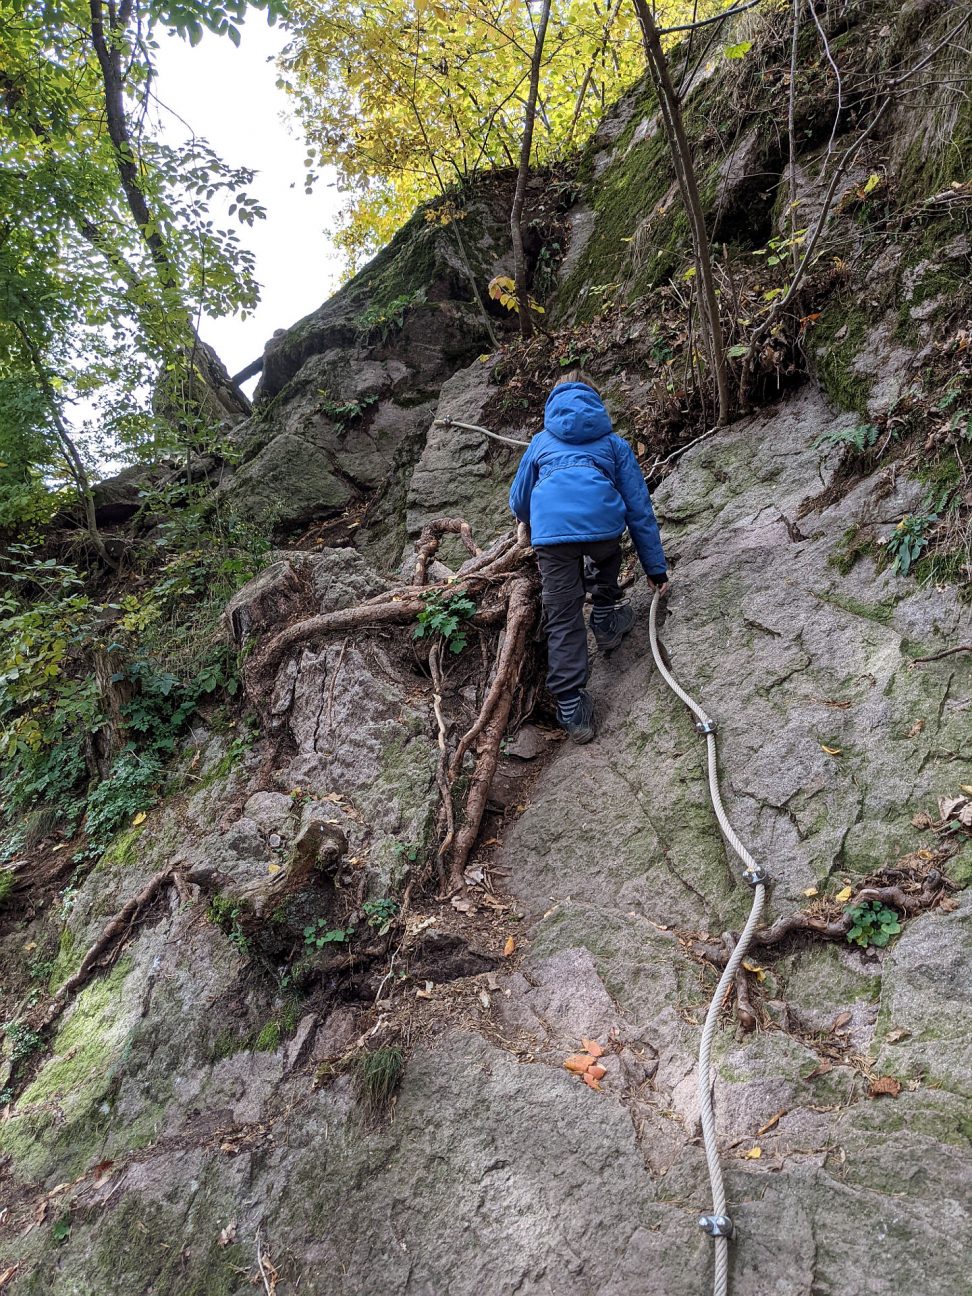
{"x": 577, "y": 487}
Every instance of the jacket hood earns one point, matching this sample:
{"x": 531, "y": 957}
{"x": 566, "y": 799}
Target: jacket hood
{"x": 575, "y": 413}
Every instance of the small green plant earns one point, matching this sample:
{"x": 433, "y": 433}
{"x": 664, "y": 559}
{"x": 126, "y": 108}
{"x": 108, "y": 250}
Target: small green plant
{"x": 383, "y": 319}
{"x": 8, "y": 879}
{"x": 873, "y": 924}
{"x": 23, "y": 1041}
{"x": 61, "y": 1230}
{"x": 908, "y": 539}
{"x": 379, "y": 1075}
{"x": 861, "y": 437}
{"x": 227, "y": 914}
{"x": 344, "y": 412}
{"x": 446, "y": 617}
{"x": 380, "y": 913}
{"x": 407, "y": 852}
{"x": 318, "y": 934}
{"x": 268, "y": 1040}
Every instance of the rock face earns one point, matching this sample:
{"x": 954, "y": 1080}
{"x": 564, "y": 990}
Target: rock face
{"x": 497, "y": 1170}
{"x": 204, "y": 1100}
{"x": 347, "y": 395}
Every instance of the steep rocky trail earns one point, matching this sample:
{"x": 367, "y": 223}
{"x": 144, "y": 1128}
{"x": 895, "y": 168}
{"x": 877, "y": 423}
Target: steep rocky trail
{"x": 497, "y": 1169}
{"x": 203, "y": 1099}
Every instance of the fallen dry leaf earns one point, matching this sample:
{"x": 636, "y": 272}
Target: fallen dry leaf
{"x": 591, "y": 1082}
{"x": 841, "y": 1021}
{"x": 897, "y": 1035}
{"x": 593, "y": 1048}
{"x": 509, "y": 947}
{"x": 484, "y": 998}
{"x": 844, "y": 893}
{"x": 884, "y": 1087}
{"x": 227, "y": 1235}
{"x": 966, "y": 788}
{"x": 754, "y": 1153}
{"x": 8, "y": 1273}
{"x": 810, "y": 891}
{"x": 273, "y": 869}
{"x": 921, "y": 820}
{"x": 915, "y": 729}
{"x": 577, "y": 1062}
{"x": 139, "y": 818}
{"x": 821, "y": 1069}
{"x": 596, "y": 1070}
{"x": 426, "y": 993}
{"x": 758, "y": 972}
{"x": 773, "y": 1120}
{"x": 831, "y": 751}
{"x": 949, "y": 904}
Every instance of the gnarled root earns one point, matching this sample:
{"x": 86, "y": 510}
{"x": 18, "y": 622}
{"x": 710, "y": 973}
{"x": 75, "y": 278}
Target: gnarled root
{"x": 933, "y": 886}
{"x": 504, "y": 580}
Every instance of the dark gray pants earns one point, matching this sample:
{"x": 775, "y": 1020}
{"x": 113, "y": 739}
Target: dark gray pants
{"x": 562, "y": 573}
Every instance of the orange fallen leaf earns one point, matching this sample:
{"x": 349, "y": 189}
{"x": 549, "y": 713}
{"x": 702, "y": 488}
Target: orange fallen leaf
{"x": 593, "y": 1047}
{"x": 509, "y": 947}
{"x": 596, "y": 1071}
{"x": 591, "y": 1082}
{"x": 577, "y": 1062}
{"x": 884, "y": 1086}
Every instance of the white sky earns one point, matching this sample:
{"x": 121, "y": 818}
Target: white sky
{"x": 229, "y": 96}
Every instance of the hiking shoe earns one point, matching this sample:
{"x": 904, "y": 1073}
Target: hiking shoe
{"x": 577, "y": 717}
{"x": 611, "y": 624}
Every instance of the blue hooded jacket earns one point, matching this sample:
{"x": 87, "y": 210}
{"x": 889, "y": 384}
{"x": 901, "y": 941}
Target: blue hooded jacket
{"x": 579, "y": 481}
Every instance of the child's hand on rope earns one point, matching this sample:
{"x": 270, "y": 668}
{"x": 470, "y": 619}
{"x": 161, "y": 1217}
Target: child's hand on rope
{"x": 660, "y": 584}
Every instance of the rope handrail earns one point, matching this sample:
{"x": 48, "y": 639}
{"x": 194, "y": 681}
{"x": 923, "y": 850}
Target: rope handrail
{"x": 718, "y": 1224}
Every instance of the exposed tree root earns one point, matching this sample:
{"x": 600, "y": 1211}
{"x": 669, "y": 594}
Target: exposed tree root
{"x": 908, "y": 902}
{"x": 431, "y": 537}
{"x": 503, "y": 581}
{"x": 115, "y": 931}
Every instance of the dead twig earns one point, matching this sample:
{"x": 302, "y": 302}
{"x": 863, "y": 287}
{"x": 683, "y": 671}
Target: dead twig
{"x": 946, "y": 652}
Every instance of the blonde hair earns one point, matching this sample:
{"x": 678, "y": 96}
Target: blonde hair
{"x": 576, "y": 375}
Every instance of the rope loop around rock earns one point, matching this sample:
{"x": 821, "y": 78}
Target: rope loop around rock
{"x": 718, "y": 1224}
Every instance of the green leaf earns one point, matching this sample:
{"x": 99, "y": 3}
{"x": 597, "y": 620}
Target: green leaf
{"x": 738, "y": 51}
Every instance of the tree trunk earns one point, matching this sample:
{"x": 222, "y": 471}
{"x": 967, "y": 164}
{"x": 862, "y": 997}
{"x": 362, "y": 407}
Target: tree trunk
{"x": 523, "y": 174}
{"x": 69, "y": 450}
{"x": 109, "y": 53}
{"x": 685, "y": 172}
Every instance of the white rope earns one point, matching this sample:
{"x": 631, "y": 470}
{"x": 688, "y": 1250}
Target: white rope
{"x": 718, "y": 1223}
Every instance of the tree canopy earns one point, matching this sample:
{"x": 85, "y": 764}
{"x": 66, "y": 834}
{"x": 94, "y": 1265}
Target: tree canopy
{"x": 108, "y": 245}
{"x": 405, "y": 97}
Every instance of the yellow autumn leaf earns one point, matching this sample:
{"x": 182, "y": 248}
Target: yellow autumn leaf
{"x": 274, "y": 868}
{"x": 966, "y": 788}
{"x": 831, "y": 751}
{"x": 754, "y": 1153}
{"x": 139, "y": 818}
{"x": 509, "y": 947}
{"x": 758, "y": 972}
{"x": 844, "y": 894}
{"x": 810, "y": 891}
